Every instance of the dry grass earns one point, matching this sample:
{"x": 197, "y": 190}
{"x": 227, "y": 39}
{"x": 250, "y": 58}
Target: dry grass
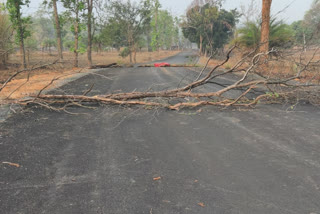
{"x": 28, "y": 84}
{"x": 284, "y": 66}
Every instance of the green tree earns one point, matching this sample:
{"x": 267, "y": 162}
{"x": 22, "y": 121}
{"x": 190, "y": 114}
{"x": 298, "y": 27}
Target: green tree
{"x": 209, "y": 26}
{"x": 20, "y": 24}
{"x": 112, "y": 34}
{"x": 167, "y": 30}
{"x": 310, "y": 25}
{"x": 132, "y": 20}
{"x": 5, "y": 37}
{"x": 155, "y": 34}
{"x": 74, "y": 11}
{"x": 90, "y": 18}
{"x": 57, "y": 25}
{"x": 42, "y": 27}
{"x": 302, "y": 33}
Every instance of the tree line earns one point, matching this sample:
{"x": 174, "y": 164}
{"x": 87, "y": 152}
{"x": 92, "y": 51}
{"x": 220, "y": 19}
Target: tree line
{"x": 128, "y": 26}
{"x": 211, "y": 27}
{"x": 86, "y": 25}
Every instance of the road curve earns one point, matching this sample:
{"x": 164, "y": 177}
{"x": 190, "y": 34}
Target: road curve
{"x": 116, "y": 159}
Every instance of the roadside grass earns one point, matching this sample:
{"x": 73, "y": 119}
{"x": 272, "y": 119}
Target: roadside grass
{"x": 29, "y": 83}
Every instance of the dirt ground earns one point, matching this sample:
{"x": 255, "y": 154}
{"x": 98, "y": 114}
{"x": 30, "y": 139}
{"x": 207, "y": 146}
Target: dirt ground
{"x": 29, "y": 83}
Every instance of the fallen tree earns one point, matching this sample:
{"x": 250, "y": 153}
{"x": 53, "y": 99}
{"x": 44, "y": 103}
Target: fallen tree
{"x": 250, "y": 77}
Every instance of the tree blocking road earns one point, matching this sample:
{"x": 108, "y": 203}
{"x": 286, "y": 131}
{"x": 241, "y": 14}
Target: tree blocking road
{"x": 116, "y": 159}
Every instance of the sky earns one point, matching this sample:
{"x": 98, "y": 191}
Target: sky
{"x": 294, "y": 12}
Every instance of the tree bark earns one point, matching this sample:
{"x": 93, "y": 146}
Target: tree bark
{"x": 76, "y": 40}
{"x": 304, "y": 42}
{"x": 58, "y": 30}
{"x": 201, "y": 46}
{"x": 265, "y": 25}
{"x": 89, "y": 26}
{"x": 134, "y": 54}
{"x": 21, "y": 38}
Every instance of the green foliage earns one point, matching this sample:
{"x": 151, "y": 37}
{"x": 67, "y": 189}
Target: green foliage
{"x": 212, "y": 24}
{"x": 112, "y": 34}
{"x": 5, "y": 36}
{"x": 141, "y": 42}
{"x": 281, "y": 34}
{"x": 302, "y": 33}
{"x": 125, "y": 52}
{"x": 31, "y": 43}
{"x": 49, "y": 43}
{"x": 249, "y": 35}
{"x": 128, "y": 22}
{"x": 273, "y": 95}
{"x": 18, "y": 22}
{"x": 165, "y": 30}
{"x": 82, "y": 48}
{"x": 309, "y": 27}
{"x": 42, "y": 28}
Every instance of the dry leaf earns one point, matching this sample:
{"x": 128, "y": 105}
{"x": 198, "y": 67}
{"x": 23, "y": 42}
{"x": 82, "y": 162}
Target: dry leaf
{"x": 201, "y": 204}
{"x": 156, "y": 179}
{"x": 12, "y": 164}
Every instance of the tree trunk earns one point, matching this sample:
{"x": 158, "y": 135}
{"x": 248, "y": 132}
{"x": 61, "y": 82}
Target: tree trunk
{"x": 134, "y": 54}
{"x": 89, "y": 26}
{"x": 130, "y": 55}
{"x": 265, "y": 25}
{"x": 201, "y": 40}
{"x": 58, "y": 30}
{"x": 28, "y": 57}
{"x": 76, "y": 40}
{"x": 21, "y": 38}
{"x": 304, "y": 42}
{"x": 3, "y": 61}
{"x": 149, "y": 42}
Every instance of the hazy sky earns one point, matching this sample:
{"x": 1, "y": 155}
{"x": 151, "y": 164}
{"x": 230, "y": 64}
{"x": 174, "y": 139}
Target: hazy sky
{"x": 294, "y": 12}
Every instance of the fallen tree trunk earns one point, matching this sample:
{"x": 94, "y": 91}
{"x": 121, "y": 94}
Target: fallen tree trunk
{"x": 103, "y": 66}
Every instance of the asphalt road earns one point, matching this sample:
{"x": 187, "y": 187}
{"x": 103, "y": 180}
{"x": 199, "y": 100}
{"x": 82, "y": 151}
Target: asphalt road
{"x": 104, "y": 160}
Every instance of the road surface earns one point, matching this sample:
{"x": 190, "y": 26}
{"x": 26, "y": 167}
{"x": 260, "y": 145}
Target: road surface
{"x": 117, "y": 159}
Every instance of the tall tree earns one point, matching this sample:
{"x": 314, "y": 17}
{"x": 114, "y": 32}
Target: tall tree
{"x": 19, "y": 23}
{"x": 58, "y": 29}
{"x": 57, "y": 26}
{"x": 5, "y": 37}
{"x": 265, "y": 25}
{"x": 132, "y": 19}
{"x": 89, "y": 28}
{"x": 155, "y": 25}
{"x": 209, "y": 26}
{"x": 74, "y": 10}
{"x": 311, "y": 24}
